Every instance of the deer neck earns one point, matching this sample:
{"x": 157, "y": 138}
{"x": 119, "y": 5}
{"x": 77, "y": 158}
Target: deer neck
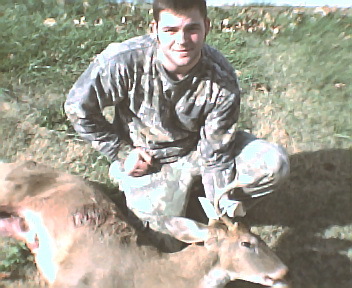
{"x": 215, "y": 278}
{"x": 193, "y": 262}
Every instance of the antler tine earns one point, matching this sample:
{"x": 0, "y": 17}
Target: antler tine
{"x": 219, "y": 193}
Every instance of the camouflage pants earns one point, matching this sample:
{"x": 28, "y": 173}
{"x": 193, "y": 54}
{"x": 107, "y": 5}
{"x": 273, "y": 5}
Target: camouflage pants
{"x": 258, "y": 163}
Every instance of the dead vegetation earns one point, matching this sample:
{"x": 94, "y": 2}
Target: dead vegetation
{"x": 296, "y": 92}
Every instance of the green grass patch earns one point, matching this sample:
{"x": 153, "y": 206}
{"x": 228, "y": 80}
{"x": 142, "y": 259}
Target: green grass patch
{"x": 13, "y": 254}
{"x": 295, "y": 73}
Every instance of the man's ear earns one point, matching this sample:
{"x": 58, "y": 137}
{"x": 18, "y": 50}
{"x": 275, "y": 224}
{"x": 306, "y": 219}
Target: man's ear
{"x": 207, "y": 25}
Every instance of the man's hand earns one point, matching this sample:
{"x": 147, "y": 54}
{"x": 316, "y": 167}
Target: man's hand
{"x": 138, "y": 163}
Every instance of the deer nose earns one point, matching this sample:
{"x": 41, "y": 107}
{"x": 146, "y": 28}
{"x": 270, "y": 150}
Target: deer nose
{"x": 281, "y": 285}
{"x": 279, "y": 274}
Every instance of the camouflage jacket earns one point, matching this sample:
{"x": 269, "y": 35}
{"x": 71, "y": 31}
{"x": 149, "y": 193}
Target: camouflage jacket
{"x": 169, "y": 118}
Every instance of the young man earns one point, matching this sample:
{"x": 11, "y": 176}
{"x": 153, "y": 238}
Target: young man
{"x": 177, "y": 102}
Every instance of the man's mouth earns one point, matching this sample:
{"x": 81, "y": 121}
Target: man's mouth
{"x": 183, "y": 52}
{"x": 182, "y": 49}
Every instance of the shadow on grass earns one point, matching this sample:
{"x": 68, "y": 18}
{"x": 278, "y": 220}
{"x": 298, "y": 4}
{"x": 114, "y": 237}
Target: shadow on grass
{"x": 315, "y": 204}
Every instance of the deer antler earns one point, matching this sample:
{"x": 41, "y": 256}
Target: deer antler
{"x": 219, "y": 193}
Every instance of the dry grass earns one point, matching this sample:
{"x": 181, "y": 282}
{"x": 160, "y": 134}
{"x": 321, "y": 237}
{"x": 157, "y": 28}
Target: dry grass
{"x": 297, "y": 92}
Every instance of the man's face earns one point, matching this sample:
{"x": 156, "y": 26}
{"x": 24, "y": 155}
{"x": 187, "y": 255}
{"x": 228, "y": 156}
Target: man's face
{"x": 181, "y": 38}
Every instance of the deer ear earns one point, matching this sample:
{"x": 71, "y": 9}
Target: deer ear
{"x": 29, "y": 179}
{"x": 186, "y": 230}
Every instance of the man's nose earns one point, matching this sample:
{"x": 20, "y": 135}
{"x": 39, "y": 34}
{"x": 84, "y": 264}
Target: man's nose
{"x": 180, "y": 37}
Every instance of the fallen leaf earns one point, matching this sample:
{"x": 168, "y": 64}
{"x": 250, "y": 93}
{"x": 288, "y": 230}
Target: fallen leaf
{"x": 261, "y": 87}
{"x": 81, "y": 22}
{"x": 98, "y": 22}
{"x": 298, "y": 11}
{"x": 268, "y": 18}
{"x": 4, "y": 275}
{"x": 49, "y": 22}
{"x": 262, "y": 26}
{"x": 340, "y": 85}
{"x": 225, "y": 22}
{"x": 275, "y": 29}
{"x": 325, "y": 10}
{"x": 267, "y": 42}
{"x": 86, "y": 4}
{"x": 4, "y": 106}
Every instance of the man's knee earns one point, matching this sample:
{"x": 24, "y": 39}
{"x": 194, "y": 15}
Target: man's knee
{"x": 261, "y": 166}
{"x": 283, "y": 169}
{"x": 276, "y": 162}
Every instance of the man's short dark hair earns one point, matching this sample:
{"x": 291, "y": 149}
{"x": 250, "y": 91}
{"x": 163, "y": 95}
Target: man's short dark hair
{"x": 178, "y": 6}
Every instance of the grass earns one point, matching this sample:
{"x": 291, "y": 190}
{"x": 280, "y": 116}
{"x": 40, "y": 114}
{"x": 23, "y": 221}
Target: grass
{"x": 295, "y": 75}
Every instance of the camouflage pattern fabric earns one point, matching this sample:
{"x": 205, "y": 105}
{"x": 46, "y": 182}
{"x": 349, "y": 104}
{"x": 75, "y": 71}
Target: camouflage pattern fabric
{"x": 260, "y": 165}
{"x": 153, "y": 111}
{"x": 167, "y": 118}
{"x": 188, "y": 126}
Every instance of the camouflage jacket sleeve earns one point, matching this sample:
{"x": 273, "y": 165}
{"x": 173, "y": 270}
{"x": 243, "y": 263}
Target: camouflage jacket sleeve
{"x": 92, "y": 92}
{"x": 217, "y": 136}
{"x": 217, "y": 143}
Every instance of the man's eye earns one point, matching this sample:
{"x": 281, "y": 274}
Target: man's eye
{"x": 169, "y": 30}
{"x": 193, "y": 29}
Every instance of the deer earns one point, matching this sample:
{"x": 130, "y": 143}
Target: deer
{"x": 80, "y": 238}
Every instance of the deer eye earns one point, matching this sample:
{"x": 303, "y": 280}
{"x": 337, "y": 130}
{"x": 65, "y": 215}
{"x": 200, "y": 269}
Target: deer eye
{"x": 246, "y": 244}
